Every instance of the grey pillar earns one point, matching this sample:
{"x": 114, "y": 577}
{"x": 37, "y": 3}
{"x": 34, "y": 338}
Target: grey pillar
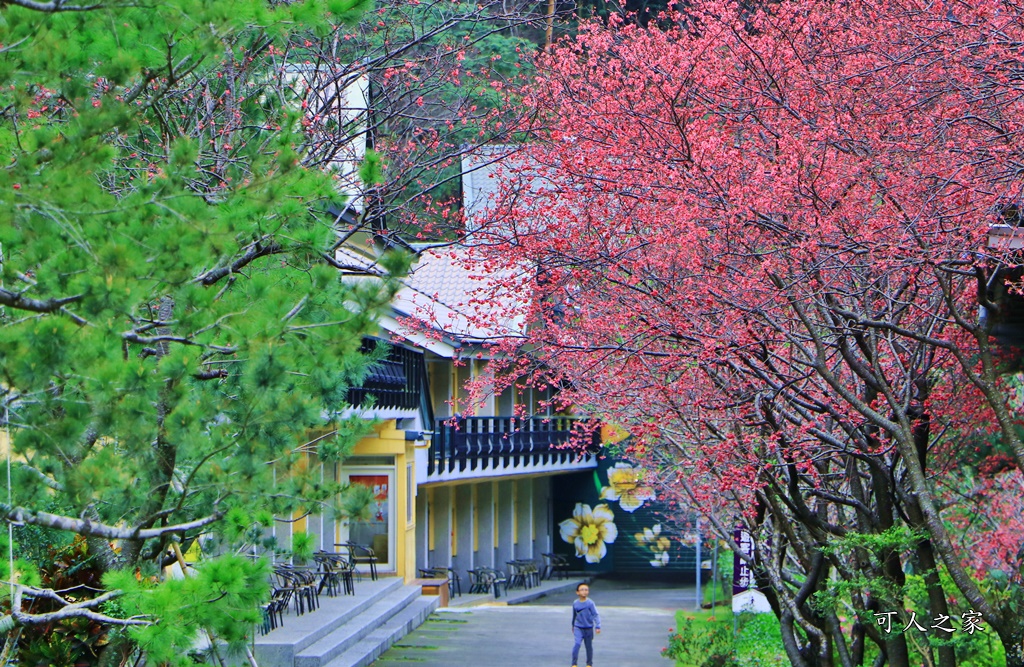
{"x": 442, "y": 556}
{"x": 463, "y": 559}
{"x": 484, "y": 556}
{"x": 506, "y": 540}
{"x": 524, "y": 519}
{"x": 422, "y": 527}
{"x": 542, "y": 516}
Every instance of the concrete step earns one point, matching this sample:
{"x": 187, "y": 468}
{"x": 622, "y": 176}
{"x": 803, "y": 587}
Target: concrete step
{"x": 372, "y": 618}
{"x": 279, "y": 648}
{"x": 373, "y": 645}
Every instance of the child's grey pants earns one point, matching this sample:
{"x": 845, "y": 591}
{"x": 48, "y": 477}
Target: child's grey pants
{"x": 583, "y": 636}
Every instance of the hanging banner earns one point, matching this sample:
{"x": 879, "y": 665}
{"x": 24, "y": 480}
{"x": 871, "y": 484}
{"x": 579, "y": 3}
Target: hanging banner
{"x": 745, "y": 596}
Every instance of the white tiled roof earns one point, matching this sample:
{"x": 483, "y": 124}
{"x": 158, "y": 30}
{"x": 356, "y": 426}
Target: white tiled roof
{"x": 461, "y": 298}
{"x": 453, "y": 294}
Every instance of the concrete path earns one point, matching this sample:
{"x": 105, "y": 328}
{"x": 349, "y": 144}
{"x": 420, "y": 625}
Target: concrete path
{"x": 635, "y": 617}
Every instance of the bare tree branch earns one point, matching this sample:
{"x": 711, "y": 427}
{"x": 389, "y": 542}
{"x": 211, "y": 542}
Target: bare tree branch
{"x": 85, "y": 527}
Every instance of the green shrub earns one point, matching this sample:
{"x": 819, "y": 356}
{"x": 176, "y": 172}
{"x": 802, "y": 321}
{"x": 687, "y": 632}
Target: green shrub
{"x": 700, "y": 643}
{"x": 759, "y": 641}
{"x": 702, "y": 640}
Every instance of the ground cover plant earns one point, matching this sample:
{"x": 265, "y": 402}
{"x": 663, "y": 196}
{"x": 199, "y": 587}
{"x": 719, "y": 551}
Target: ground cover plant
{"x": 716, "y": 638}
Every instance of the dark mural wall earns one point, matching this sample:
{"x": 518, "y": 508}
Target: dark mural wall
{"x": 609, "y": 521}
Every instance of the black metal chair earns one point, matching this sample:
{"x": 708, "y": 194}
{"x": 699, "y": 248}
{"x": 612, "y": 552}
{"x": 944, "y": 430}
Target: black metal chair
{"x": 516, "y": 576}
{"x": 302, "y": 586}
{"x": 477, "y": 582}
{"x": 289, "y": 588}
{"x": 359, "y": 554}
{"x": 310, "y": 585}
{"x": 273, "y": 611}
{"x": 555, "y": 564}
{"x": 335, "y": 573}
{"x": 493, "y": 580}
{"x": 527, "y": 573}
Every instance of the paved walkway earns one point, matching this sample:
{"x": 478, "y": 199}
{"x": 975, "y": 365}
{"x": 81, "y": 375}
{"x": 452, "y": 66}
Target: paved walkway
{"x": 636, "y": 618}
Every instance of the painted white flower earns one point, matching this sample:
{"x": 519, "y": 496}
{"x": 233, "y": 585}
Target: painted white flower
{"x": 660, "y": 560}
{"x": 625, "y": 485}
{"x": 590, "y": 530}
{"x": 652, "y": 540}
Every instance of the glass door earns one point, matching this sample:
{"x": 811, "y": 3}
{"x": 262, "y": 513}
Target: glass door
{"x": 376, "y": 530}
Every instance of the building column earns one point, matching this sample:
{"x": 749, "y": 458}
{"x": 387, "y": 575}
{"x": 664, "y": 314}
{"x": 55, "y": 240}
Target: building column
{"x": 423, "y": 537}
{"x": 464, "y": 511}
{"x": 485, "y": 534}
{"x": 544, "y": 542}
{"x": 506, "y": 519}
{"x": 442, "y": 509}
{"x": 525, "y": 526}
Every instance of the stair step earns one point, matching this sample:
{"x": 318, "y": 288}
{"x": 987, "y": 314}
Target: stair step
{"x": 279, "y": 648}
{"x": 371, "y": 619}
{"x": 380, "y": 640}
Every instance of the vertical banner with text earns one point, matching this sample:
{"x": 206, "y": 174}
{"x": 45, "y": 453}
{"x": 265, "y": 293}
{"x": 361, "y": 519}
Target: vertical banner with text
{"x": 745, "y": 596}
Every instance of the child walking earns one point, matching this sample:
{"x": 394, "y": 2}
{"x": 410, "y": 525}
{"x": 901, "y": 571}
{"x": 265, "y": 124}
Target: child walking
{"x": 585, "y": 621}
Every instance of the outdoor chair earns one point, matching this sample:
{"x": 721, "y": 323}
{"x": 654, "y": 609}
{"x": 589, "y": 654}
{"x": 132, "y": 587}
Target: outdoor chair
{"x": 301, "y": 586}
{"x": 516, "y": 576}
{"x": 335, "y": 573}
{"x": 273, "y": 611}
{"x": 359, "y": 554}
{"x": 310, "y": 586}
{"x": 527, "y": 574}
{"x": 493, "y": 580}
{"x": 454, "y": 576}
{"x": 266, "y": 625}
{"x": 555, "y": 564}
{"x": 532, "y": 571}
{"x": 287, "y": 587}
{"x": 477, "y": 582}
{"x": 329, "y": 580}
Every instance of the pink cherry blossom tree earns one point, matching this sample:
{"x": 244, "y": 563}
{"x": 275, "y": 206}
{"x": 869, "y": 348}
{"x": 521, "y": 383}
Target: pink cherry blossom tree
{"x": 755, "y": 234}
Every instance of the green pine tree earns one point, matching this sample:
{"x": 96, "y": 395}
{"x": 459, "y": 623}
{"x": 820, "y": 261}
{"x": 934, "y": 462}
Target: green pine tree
{"x": 172, "y": 324}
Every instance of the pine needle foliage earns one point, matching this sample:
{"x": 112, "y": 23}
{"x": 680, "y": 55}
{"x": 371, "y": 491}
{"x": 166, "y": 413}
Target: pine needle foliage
{"x": 172, "y": 330}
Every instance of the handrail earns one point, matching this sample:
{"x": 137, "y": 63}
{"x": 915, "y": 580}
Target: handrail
{"x": 467, "y": 442}
{"x": 397, "y": 381}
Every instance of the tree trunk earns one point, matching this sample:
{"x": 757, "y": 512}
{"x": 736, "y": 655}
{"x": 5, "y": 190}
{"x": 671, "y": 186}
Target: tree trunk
{"x": 926, "y": 551}
{"x": 896, "y": 649}
{"x": 1013, "y": 643}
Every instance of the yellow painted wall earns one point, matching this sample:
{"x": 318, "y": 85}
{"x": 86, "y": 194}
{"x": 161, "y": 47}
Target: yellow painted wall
{"x": 389, "y": 441}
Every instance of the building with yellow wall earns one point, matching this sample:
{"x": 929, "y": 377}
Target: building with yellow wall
{"x": 461, "y": 491}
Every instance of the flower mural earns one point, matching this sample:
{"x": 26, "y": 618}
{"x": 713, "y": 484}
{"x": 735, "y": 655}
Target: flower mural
{"x": 652, "y": 540}
{"x": 625, "y": 484}
{"x": 590, "y": 530}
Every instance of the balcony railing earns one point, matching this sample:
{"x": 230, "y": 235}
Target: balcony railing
{"x": 473, "y": 442}
{"x": 399, "y": 381}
